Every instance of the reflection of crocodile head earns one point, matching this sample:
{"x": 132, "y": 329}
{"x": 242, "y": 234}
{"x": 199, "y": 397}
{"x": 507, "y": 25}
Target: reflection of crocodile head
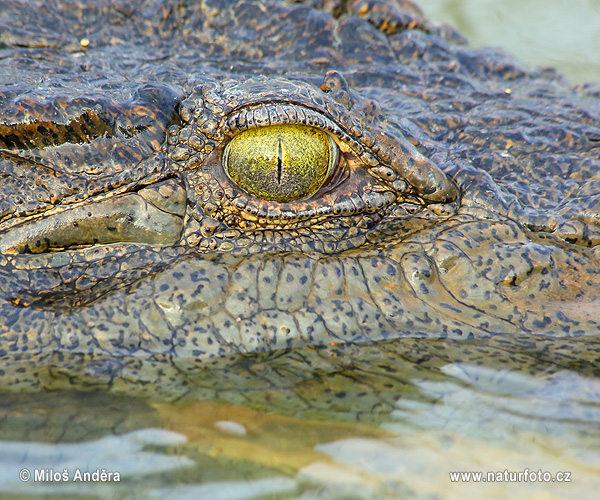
{"x": 167, "y": 190}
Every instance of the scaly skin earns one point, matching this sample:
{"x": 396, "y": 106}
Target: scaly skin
{"x": 468, "y": 205}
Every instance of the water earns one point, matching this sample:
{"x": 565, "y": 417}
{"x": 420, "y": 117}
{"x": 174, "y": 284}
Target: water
{"x": 559, "y": 33}
{"x": 387, "y": 420}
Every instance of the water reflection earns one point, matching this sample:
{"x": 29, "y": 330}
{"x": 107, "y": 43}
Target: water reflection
{"x": 233, "y": 490}
{"x": 564, "y": 402}
{"x": 316, "y": 433}
{"x": 478, "y": 420}
{"x": 42, "y": 468}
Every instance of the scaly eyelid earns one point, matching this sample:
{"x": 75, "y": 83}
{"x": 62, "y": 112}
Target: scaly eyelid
{"x": 292, "y": 113}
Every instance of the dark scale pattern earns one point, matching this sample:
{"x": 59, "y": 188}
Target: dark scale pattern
{"x": 465, "y": 209}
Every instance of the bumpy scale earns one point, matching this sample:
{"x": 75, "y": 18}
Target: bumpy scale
{"x": 462, "y": 198}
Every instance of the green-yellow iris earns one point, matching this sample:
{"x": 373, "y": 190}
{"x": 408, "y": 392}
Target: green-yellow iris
{"x": 280, "y": 162}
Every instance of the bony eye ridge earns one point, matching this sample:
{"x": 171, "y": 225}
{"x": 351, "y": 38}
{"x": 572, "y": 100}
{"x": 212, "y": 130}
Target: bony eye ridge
{"x": 281, "y": 163}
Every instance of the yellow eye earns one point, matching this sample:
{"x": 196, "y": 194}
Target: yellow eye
{"x": 280, "y": 162}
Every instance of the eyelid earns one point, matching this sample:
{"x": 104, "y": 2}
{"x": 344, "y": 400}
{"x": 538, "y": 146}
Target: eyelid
{"x": 286, "y": 112}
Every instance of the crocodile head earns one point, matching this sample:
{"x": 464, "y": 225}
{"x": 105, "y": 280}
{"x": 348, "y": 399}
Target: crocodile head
{"x": 420, "y": 189}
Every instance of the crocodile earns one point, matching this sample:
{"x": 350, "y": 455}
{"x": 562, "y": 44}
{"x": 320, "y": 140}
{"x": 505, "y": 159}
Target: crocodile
{"x": 200, "y": 180}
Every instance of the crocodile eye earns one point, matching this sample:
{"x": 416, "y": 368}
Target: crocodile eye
{"x": 280, "y": 162}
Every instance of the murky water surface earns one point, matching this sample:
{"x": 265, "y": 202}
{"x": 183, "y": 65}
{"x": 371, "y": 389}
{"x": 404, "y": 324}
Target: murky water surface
{"x": 389, "y": 421}
{"x": 557, "y": 33}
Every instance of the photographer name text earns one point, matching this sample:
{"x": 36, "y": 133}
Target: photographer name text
{"x": 66, "y": 475}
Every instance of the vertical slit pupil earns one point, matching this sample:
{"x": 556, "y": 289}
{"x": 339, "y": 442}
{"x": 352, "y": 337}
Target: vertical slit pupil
{"x": 279, "y": 162}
